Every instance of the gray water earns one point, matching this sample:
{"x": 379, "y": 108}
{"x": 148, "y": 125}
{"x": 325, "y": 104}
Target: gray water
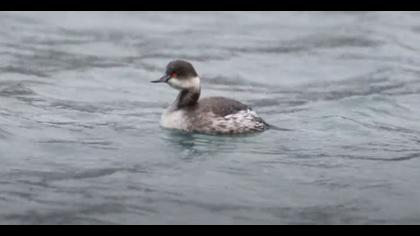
{"x": 80, "y": 141}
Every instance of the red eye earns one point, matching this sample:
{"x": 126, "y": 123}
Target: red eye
{"x": 173, "y": 75}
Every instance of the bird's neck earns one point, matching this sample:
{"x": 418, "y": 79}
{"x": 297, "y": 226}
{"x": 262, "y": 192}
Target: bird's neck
{"x": 187, "y": 97}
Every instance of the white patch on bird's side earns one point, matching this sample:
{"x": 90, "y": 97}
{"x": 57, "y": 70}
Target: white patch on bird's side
{"x": 173, "y": 120}
{"x": 185, "y": 84}
{"x": 241, "y": 122}
{"x": 246, "y": 117}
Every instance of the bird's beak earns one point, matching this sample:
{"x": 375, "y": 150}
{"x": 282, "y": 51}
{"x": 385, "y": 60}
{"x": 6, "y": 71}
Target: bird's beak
{"x": 163, "y": 79}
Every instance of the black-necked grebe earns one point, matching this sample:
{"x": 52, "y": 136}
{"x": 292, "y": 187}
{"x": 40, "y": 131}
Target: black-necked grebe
{"x": 213, "y": 115}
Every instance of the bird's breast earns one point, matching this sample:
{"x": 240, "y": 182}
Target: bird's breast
{"x": 174, "y": 120}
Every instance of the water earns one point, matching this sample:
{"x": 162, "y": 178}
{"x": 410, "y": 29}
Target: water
{"x": 80, "y": 141}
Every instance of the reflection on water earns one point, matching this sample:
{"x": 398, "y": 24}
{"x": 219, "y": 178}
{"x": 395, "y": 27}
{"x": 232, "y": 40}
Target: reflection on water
{"x": 80, "y": 141}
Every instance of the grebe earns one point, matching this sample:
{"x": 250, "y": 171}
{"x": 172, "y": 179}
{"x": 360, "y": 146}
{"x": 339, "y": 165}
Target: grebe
{"x": 213, "y": 115}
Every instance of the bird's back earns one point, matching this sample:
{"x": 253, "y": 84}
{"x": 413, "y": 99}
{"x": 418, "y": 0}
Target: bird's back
{"x": 220, "y": 106}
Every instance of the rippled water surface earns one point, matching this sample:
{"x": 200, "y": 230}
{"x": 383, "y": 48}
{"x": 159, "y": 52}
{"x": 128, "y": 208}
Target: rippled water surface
{"x": 80, "y": 141}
